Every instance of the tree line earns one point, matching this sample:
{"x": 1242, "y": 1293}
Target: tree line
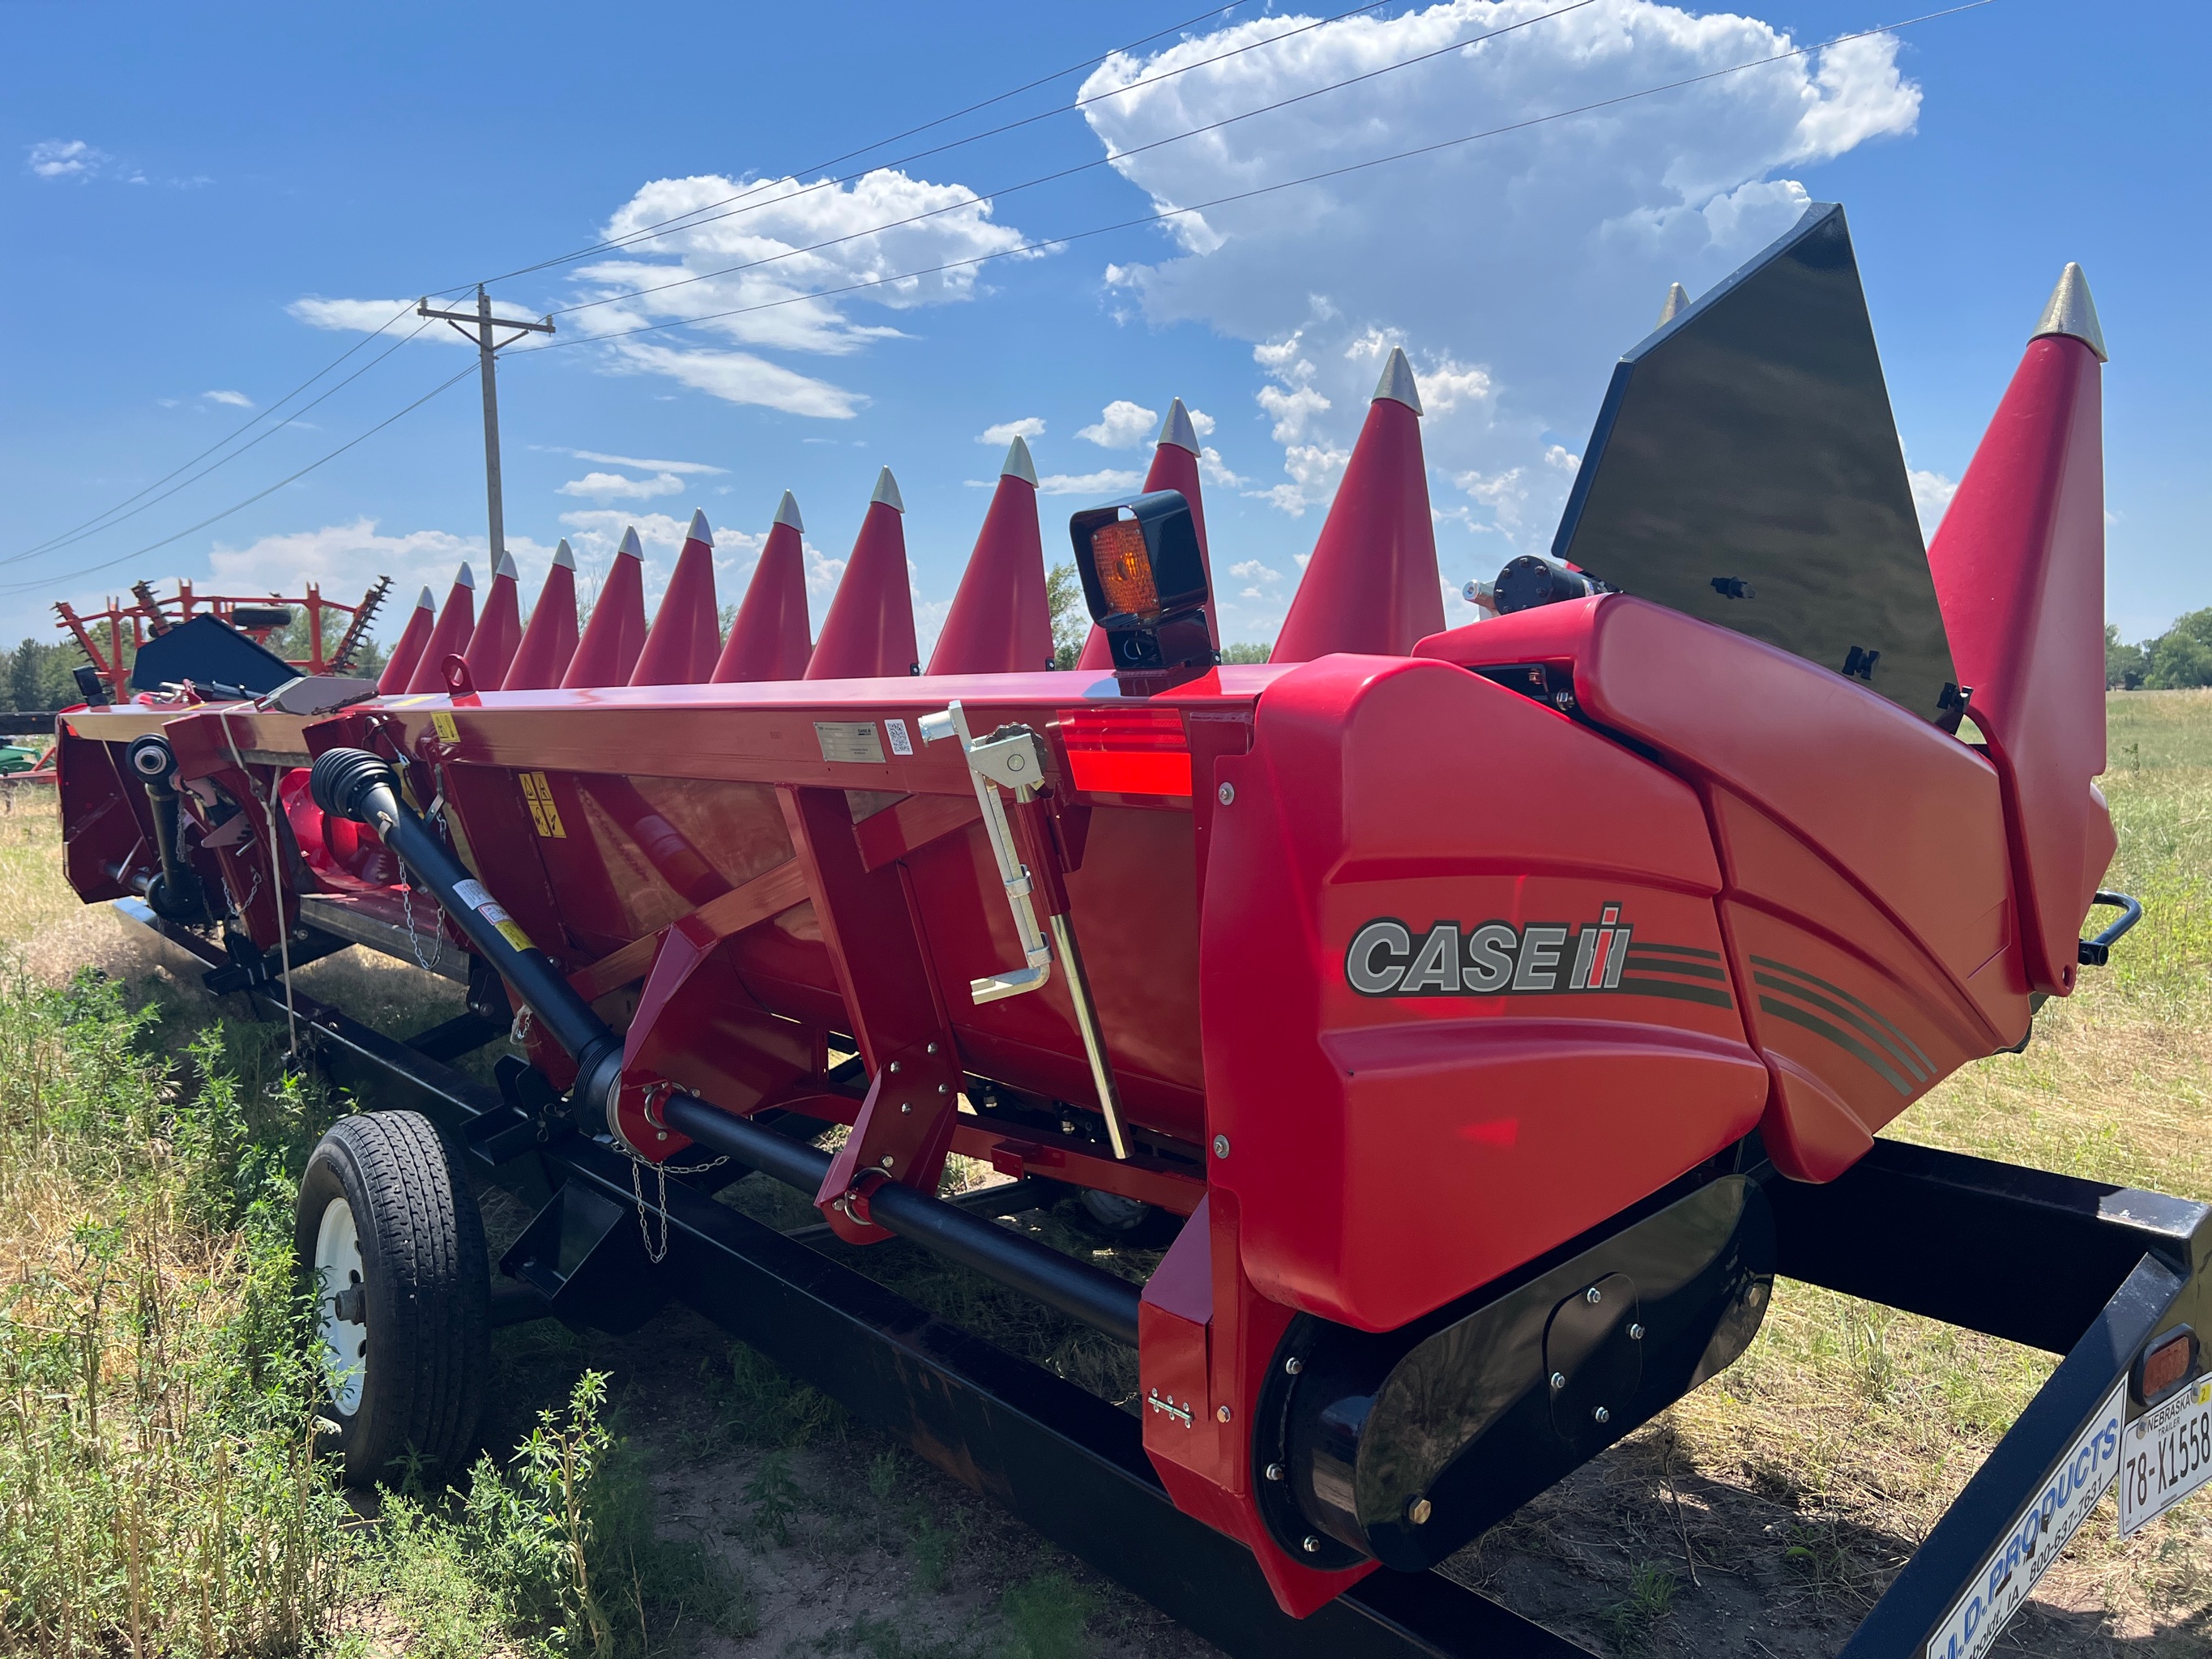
{"x": 2176, "y": 660}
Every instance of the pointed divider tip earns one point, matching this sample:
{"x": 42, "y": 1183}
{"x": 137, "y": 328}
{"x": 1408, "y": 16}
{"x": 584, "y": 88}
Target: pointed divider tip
{"x": 506, "y": 568}
{"x": 1019, "y": 465}
{"x": 1397, "y": 382}
{"x": 630, "y": 548}
{"x": 887, "y": 492}
{"x": 563, "y": 557}
{"x": 2071, "y": 312}
{"x": 466, "y": 577}
{"x": 427, "y": 601}
{"x": 699, "y": 531}
{"x": 1178, "y": 430}
{"x": 1678, "y": 301}
{"x": 786, "y": 512}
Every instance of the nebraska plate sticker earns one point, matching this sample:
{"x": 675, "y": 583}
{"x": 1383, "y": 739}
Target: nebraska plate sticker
{"x": 2165, "y": 1455}
{"x": 2038, "y": 1532}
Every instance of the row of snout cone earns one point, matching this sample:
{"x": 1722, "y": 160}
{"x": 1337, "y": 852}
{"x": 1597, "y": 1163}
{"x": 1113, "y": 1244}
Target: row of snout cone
{"x": 1370, "y": 587}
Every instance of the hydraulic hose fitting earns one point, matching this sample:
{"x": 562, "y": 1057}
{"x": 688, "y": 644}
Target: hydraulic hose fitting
{"x": 174, "y": 893}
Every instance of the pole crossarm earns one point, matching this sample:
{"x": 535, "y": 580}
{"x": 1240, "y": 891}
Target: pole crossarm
{"x": 471, "y": 318}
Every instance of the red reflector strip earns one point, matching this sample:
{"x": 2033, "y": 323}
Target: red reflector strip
{"x": 1127, "y": 751}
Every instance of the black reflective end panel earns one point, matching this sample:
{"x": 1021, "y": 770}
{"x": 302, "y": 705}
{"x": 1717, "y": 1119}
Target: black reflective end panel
{"x": 1746, "y": 470}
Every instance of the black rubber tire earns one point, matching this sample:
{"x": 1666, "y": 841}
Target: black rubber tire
{"x": 426, "y": 1294}
{"x": 1126, "y": 1220}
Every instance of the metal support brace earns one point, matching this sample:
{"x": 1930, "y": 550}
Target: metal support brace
{"x": 1015, "y": 756}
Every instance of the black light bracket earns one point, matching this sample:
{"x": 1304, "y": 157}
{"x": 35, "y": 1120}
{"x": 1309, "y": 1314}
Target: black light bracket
{"x": 1167, "y": 628}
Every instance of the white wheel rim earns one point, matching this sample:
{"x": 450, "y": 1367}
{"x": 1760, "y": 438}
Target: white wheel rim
{"x": 346, "y": 1341}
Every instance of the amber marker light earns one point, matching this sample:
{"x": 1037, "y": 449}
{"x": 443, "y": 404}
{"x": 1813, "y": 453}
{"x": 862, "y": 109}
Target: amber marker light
{"x": 1124, "y": 565}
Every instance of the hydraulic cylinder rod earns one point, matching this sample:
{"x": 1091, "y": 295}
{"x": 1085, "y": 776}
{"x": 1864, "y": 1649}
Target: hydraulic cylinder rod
{"x": 361, "y": 786}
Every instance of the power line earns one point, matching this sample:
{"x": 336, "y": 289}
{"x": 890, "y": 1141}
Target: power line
{"x": 1069, "y": 172}
{"x": 236, "y": 507}
{"x": 647, "y": 233}
{"x": 1041, "y": 245}
{"x": 1167, "y": 214}
{"x": 66, "y": 537}
{"x": 114, "y": 516}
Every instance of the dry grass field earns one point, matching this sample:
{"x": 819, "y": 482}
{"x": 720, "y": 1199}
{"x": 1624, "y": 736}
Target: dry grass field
{"x": 177, "y": 1508}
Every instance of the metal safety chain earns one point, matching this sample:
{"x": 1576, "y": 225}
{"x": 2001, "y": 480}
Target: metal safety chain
{"x": 656, "y": 1253}
{"x": 276, "y": 889}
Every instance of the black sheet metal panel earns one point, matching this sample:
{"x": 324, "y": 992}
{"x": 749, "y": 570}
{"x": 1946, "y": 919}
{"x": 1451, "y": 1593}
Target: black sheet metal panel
{"x": 1749, "y": 443}
{"x": 208, "y": 652}
{"x": 2015, "y": 1253}
{"x": 1065, "y": 1462}
{"x": 1404, "y": 1445}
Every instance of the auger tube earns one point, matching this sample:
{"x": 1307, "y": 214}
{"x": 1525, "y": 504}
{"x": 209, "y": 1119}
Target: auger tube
{"x": 362, "y": 786}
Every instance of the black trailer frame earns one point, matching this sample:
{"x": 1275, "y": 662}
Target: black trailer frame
{"x": 2084, "y": 1269}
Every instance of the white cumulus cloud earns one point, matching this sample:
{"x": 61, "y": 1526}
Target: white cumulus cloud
{"x": 1121, "y": 425}
{"x": 1513, "y": 269}
{"x": 1029, "y": 426}
{"x": 234, "y": 399}
{"x": 63, "y": 158}
{"x": 1108, "y": 481}
{"x": 620, "y": 487}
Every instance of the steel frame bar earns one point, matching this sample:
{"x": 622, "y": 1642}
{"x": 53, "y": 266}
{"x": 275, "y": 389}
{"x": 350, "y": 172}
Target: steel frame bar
{"x": 1066, "y": 1462}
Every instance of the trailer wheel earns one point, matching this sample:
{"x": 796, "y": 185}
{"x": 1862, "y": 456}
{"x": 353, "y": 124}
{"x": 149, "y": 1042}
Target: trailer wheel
{"x": 1129, "y": 1220}
{"x": 391, "y": 1234}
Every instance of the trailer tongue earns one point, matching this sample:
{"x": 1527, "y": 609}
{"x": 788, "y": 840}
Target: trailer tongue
{"x": 1489, "y": 1014}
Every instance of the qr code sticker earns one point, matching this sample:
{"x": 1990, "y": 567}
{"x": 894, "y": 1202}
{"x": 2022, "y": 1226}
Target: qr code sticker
{"x": 901, "y": 744}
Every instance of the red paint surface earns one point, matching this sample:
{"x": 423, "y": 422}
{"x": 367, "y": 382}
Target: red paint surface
{"x": 607, "y": 654}
{"x": 498, "y": 634}
{"x": 869, "y": 631}
{"x": 770, "y": 639}
{"x": 550, "y": 640}
{"x": 1371, "y": 585}
{"x": 399, "y": 667}
{"x": 1000, "y": 622}
{"x": 456, "y": 621}
{"x": 686, "y": 635}
{"x": 2018, "y": 563}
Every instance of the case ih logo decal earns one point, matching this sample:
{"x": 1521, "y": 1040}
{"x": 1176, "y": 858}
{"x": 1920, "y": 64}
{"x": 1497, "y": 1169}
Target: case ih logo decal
{"x": 1387, "y": 959}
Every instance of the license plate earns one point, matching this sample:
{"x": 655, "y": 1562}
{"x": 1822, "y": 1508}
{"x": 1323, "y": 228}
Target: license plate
{"x": 2166, "y": 1454}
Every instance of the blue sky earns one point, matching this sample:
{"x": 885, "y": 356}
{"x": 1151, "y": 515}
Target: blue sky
{"x": 202, "y": 203}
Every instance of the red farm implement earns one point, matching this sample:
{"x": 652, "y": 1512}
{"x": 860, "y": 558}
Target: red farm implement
{"x": 1488, "y": 1014}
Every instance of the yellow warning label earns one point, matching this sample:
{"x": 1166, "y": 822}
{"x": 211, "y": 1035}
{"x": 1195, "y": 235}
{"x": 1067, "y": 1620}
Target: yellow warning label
{"x": 511, "y": 932}
{"x": 442, "y": 724}
{"x": 542, "y": 812}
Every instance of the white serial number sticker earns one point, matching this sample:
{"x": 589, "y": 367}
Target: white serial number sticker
{"x": 2036, "y": 1536}
{"x": 2166, "y": 1454}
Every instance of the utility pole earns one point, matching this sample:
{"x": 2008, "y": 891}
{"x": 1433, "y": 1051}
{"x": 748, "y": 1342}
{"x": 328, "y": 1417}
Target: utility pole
{"x": 487, "y": 345}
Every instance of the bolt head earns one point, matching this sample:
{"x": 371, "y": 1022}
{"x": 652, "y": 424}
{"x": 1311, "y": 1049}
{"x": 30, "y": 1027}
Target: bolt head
{"x": 1222, "y": 1413}
{"x": 1226, "y": 793}
{"x": 905, "y": 1107}
{"x": 888, "y": 1160}
{"x": 1311, "y": 1545}
{"x": 1221, "y": 1146}
{"x": 1294, "y": 1364}
{"x": 1275, "y": 1472}
{"x": 1592, "y": 1296}
{"x": 1419, "y": 1511}
{"x": 895, "y": 1066}
{"x": 945, "y": 1088}
{"x": 660, "y": 1134}
{"x": 1558, "y": 1380}
{"x": 1636, "y": 1333}
{"x": 1600, "y": 1414}
{"x": 932, "y": 1047}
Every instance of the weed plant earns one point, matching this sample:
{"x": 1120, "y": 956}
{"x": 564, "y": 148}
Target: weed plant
{"x": 159, "y": 1487}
